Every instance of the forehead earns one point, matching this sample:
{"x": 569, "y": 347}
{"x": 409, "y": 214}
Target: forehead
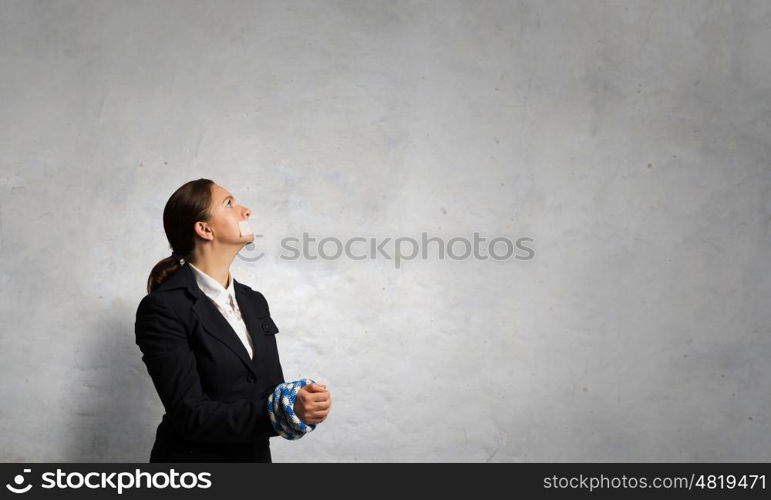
{"x": 219, "y": 193}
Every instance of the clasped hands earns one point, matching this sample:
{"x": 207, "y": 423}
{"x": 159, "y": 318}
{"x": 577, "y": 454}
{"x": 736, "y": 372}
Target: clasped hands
{"x": 312, "y": 404}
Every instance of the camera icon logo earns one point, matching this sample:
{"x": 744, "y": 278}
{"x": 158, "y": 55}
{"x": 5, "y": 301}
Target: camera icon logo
{"x": 19, "y": 481}
{"x": 252, "y": 252}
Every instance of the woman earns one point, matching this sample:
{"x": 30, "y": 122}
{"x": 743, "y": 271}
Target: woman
{"x": 209, "y": 343}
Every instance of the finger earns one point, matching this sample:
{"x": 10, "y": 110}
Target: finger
{"x": 316, "y": 419}
{"x": 316, "y": 402}
{"x": 317, "y": 407}
{"x": 320, "y": 412}
{"x": 314, "y": 409}
{"x": 317, "y": 397}
{"x": 320, "y": 406}
{"x": 307, "y": 393}
{"x": 314, "y": 387}
{"x": 313, "y": 419}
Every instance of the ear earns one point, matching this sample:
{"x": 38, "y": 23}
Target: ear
{"x": 203, "y": 230}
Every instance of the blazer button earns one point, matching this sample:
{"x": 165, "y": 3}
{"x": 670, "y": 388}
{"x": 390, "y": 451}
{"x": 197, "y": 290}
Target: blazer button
{"x": 265, "y": 327}
{"x": 250, "y": 378}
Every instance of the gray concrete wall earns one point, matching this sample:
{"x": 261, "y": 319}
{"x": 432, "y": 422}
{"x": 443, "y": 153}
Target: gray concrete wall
{"x": 629, "y": 140}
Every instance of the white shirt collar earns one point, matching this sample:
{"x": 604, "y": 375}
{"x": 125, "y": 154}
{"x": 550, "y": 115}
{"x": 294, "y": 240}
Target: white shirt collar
{"x": 213, "y": 288}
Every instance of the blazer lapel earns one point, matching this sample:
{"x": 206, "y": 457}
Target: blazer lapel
{"x": 216, "y": 325}
{"x": 253, "y": 319}
{"x": 212, "y": 320}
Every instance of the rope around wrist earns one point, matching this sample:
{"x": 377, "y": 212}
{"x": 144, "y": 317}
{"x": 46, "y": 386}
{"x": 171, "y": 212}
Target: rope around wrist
{"x": 281, "y": 410}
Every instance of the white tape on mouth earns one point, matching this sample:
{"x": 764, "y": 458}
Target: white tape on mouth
{"x": 245, "y": 228}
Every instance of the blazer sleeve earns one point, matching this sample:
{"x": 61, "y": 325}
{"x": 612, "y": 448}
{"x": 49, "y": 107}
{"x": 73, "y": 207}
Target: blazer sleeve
{"x": 171, "y": 363}
{"x": 281, "y": 379}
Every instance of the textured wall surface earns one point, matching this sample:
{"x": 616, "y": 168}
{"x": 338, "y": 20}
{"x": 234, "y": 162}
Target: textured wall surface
{"x": 629, "y": 140}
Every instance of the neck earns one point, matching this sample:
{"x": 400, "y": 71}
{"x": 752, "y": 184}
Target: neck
{"x": 214, "y": 264}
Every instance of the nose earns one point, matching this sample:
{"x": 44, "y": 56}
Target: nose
{"x": 247, "y": 212}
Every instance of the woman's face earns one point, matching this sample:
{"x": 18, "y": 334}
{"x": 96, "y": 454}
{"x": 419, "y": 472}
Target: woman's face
{"x": 222, "y": 227}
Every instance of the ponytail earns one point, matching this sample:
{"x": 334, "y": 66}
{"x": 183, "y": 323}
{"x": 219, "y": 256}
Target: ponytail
{"x": 189, "y": 204}
{"x": 163, "y": 271}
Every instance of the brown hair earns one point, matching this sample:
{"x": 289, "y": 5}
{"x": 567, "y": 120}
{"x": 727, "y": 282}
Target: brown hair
{"x": 189, "y": 204}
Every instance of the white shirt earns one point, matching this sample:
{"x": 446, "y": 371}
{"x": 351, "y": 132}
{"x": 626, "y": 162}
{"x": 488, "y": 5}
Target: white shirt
{"x": 225, "y": 300}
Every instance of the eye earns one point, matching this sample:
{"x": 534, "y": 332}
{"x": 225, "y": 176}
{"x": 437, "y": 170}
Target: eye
{"x": 230, "y": 202}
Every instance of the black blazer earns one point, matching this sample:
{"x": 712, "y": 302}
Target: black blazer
{"x": 214, "y": 395}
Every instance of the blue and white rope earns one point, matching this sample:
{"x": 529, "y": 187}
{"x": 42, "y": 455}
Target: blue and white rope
{"x": 281, "y": 410}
